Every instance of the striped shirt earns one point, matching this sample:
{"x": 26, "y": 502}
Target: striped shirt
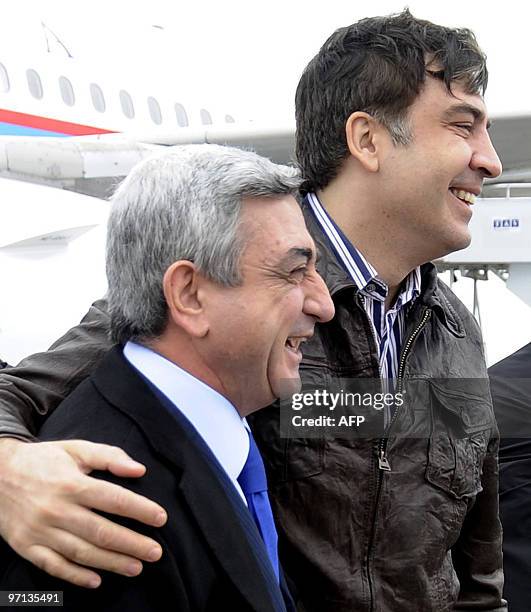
{"x": 388, "y": 327}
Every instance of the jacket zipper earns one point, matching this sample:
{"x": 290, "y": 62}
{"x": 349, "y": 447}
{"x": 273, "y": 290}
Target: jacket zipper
{"x": 383, "y": 462}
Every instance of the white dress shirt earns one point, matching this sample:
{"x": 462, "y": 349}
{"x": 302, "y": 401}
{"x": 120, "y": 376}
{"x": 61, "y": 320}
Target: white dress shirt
{"x": 215, "y": 419}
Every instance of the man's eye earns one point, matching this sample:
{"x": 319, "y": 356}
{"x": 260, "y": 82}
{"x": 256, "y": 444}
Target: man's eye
{"x": 299, "y": 274}
{"x": 464, "y": 126}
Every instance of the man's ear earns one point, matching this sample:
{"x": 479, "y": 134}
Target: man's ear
{"x": 182, "y": 290}
{"x": 364, "y": 140}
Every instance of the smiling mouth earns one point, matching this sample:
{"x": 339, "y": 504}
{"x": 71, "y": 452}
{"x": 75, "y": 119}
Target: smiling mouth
{"x": 465, "y": 196}
{"x": 293, "y": 343}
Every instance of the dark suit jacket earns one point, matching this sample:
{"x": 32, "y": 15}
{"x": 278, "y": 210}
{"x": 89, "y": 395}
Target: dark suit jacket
{"x": 510, "y": 381}
{"x": 213, "y": 559}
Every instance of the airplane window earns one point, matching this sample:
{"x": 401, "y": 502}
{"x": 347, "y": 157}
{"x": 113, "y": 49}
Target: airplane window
{"x": 180, "y": 114}
{"x": 98, "y": 99}
{"x": 206, "y": 117}
{"x": 127, "y": 104}
{"x": 229, "y": 119}
{"x": 34, "y": 83}
{"x": 154, "y": 110}
{"x": 4, "y": 79}
{"x": 67, "y": 91}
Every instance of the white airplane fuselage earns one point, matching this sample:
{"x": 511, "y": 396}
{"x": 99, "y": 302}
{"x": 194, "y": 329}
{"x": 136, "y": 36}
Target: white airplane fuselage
{"x": 59, "y": 96}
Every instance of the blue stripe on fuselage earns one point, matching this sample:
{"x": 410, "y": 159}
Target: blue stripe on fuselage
{"x": 10, "y": 129}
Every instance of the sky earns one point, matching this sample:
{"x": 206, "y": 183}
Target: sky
{"x": 248, "y": 57}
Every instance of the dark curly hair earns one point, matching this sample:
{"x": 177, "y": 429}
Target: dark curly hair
{"x": 377, "y": 65}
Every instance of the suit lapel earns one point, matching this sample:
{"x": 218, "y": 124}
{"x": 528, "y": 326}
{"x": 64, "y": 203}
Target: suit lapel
{"x": 217, "y": 507}
{"x": 235, "y": 541}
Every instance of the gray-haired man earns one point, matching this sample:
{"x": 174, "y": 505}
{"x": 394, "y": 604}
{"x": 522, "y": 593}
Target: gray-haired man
{"x": 212, "y": 287}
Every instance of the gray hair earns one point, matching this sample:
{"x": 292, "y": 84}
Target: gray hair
{"x": 183, "y": 204}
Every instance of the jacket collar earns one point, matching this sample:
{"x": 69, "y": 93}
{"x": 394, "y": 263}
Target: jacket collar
{"x": 333, "y": 273}
{"x": 337, "y": 279}
{"x": 434, "y": 296}
{"x": 235, "y": 543}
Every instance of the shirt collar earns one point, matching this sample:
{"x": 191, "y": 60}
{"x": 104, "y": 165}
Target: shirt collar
{"x": 216, "y": 420}
{"x": 361, "y": 271}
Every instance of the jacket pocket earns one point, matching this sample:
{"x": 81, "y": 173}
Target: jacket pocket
{"x": 285, "y": 458}
{"x": 461, "y": 425}
{"x": 293, "y": 458}
{"x": 304, "y": 457}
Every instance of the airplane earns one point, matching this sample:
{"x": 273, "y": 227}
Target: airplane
{"x": 67, "y": 138}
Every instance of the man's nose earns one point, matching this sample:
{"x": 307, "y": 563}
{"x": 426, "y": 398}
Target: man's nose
{"x": 485, "y": 159}
{"x": 318, "y": 302}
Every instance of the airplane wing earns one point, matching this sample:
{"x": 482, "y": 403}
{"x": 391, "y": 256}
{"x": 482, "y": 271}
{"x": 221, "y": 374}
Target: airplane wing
{"x": 83, "y": 164}
{"x": 276, "y": 142}
{"x": 94, "y": 164}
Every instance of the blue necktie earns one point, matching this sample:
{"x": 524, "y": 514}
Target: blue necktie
{"x": 253, "y": 482}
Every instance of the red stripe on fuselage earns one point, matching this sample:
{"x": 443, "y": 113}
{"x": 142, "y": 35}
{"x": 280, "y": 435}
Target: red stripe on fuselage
{"x": 50, "y": 125}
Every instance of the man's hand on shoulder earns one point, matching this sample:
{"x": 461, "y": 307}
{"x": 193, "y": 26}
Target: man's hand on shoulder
{"x": 46, "y": 497}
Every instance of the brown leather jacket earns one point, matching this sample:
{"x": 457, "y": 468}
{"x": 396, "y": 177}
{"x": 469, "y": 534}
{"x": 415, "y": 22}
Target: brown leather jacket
{"x": 424, "y": 536}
